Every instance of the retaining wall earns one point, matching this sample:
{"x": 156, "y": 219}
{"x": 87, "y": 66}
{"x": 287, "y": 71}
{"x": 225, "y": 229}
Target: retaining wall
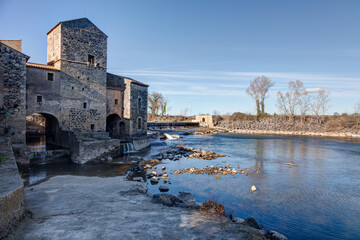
{"x": 12, "y": 205}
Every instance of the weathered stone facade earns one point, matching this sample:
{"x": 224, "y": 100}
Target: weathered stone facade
{"x": 79, "y": 49}
{"x": 73, "y": 91}
{"x": 13, "y": 91}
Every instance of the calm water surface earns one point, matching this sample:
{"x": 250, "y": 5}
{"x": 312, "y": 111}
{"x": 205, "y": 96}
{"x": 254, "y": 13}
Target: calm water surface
{"x": 318, "y": 198}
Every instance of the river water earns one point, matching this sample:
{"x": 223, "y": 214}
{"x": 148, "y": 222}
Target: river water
{"x": 318, "y": 198}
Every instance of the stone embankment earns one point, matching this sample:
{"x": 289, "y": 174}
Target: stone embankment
{"x": 11, "y": 189}
{"x": 280, "y": 126}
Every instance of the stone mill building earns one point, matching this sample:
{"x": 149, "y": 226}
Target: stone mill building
{"x": 87, "y": 110}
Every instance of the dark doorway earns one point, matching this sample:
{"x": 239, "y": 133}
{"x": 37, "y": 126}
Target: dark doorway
{"x": 42, "y": 133}
{"x": 122, "y": 128}
{"x": 113, "y": 125}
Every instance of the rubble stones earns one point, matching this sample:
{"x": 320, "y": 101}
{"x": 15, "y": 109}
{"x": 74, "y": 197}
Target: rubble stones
{"x": 186, "y": 200}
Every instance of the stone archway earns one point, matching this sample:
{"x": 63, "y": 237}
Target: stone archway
{"x": 43, "y": 133}
{"x": 113, "y": 125}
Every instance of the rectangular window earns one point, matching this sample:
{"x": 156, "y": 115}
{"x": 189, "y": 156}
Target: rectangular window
{"x": 84, "y": 105}
{"x": 39, "y": 99}
{"x": 91, "y": 59}
{"x": 92, "y": 127}
{"x": 139, "y": 103}
{"x": 139, "y": 123}
{"x": 50, "y": 76}
{"x": 116, "y": 101}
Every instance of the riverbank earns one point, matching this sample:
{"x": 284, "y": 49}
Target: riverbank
{"x": 296, "y": 133}
{"x": 77, "y": 207}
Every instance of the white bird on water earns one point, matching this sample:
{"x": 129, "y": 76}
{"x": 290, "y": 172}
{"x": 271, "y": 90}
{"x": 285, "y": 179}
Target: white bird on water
{"x": 253, "y": 188}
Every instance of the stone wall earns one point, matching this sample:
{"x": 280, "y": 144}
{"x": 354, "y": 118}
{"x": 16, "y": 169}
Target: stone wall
{"x": 13, "y": 90}
{"x": 114, "y": 103}
{"x": 135, "y": 107}
{"x": 37, "y": 84}
{"x": 15, "y": 44}
{"x": 11, "y": 190}
{"x": 207, "y": 119}
{"x": 83, "y": 84}
{"x": 54, "y": 44}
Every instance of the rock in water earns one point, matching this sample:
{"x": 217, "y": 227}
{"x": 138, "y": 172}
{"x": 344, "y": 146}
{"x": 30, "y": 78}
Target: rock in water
{"x": 186, "y": 197}
{"x": 277, "y": 236}
{"x": 163, "y": 188}
{"x": 154, "y": 180}
{"x": 253, "y": 188}
{"x": 251, "y": 222}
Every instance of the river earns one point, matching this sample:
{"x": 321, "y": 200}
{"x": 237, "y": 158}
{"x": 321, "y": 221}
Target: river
{"x": 317, "y": 196}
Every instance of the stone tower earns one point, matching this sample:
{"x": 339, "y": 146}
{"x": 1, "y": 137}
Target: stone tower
{"x": 79, "y": 49}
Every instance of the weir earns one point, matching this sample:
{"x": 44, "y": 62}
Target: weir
{"x": 172, "y": 124}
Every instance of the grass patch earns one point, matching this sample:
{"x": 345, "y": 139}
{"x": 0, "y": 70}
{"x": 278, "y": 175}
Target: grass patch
{"x": 213, "y": 207}
{"x": 3, "y": 156}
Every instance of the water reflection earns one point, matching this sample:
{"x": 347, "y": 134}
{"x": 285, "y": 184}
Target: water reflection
{"x": 318, "y": 198}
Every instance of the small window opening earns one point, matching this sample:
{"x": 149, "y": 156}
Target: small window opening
{"x": 139, "y": 103}
{"x": 84, "y": 105}
{"x": 39, "y": 99}
{"x": 91, "y": 59}
{"x": 83, "y": 89}
{"x": 50, "y": 76}
{"x": 139, "y": 123}
{"x": 116, "y": 101}
{"x": 203, "y": 119}
{"x": 72, "y": 87}
{"x": 92, "y": 127}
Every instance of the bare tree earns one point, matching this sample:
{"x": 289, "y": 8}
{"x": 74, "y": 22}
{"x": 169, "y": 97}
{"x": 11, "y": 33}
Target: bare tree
{"x": 289, "y": 101}
{"x": 304, "y": 105}
{"x": 154, "y": 100}
{"x": 320, "y": 102}
{"x": 357, "y": 108}
{"x": 258, "y": 90}
{"x": 164, "y": 106}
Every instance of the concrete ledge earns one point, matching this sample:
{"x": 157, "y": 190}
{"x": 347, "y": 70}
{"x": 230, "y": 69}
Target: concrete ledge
{"x": 141, "y": 142}
{"x": 92, "y": 150}
{"x": 11, "y": 190}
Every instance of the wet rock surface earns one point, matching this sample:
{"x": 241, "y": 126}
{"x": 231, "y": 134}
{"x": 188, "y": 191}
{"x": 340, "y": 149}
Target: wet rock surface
{"x": 251, "y": 222}
{"x": 183, "y": 199}
{"x": 74, "y": 207}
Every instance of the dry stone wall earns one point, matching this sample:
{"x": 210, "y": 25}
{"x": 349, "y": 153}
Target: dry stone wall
{"x": 13, "y": 90}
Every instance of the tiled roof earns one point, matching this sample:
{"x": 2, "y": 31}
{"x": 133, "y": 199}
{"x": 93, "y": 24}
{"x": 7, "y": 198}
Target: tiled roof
{"x": 43, "y": 66}
{"x": 137, "y": 82}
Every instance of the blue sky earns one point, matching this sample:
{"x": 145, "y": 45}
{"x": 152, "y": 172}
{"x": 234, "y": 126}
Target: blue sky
{"x": 203, "y": 54}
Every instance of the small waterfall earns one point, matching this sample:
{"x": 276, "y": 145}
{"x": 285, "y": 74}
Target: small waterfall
{"x": 127, "y": 147}
{"x": 168, "y": 136}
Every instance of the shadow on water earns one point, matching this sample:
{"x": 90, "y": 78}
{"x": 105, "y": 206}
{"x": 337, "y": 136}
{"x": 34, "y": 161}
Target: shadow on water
{"x": 41, "y": 169}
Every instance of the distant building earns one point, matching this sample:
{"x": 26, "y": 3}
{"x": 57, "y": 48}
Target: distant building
{"x": 205, "y": 119}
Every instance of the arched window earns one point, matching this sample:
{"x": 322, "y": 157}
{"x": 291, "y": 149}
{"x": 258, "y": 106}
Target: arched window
{"x": 139, "y": 123}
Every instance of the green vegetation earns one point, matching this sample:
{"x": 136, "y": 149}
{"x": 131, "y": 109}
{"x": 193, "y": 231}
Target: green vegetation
{"x": 3, "y": 156}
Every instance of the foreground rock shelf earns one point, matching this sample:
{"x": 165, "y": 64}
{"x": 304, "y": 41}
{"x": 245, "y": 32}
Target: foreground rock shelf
{"x": 73, "y": 207}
